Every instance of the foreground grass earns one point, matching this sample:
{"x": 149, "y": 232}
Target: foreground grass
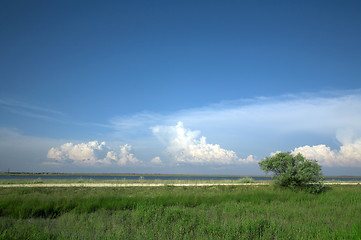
{"x": 219, "y": 212}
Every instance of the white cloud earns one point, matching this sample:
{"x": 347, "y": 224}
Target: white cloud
{"x": 184, "y": 146}
{"x": 91, "y": 153}
{"x": 323, "y": 154}
{"x": 260, "y": 125}
{"x": 254, "y": 126}
{"x": 121, "y": 157}
{"x": 56, "y": 164}
{"x": 156, "y": 160}
{"x": 138, "y": 120}
{"x": 274, "y": 153}
{"x": 249, "y": 159}
{"x": 348, "y": 155}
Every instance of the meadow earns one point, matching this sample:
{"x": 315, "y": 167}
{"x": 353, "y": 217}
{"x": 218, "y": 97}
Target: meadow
{"x": 215, "y": 212}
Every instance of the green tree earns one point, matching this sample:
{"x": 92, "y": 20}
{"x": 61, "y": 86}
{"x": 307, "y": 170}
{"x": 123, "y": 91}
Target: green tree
{"x": 294, "y": 171}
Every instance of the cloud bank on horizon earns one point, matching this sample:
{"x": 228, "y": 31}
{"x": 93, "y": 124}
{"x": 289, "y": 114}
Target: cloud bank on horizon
{"x": 182, "y": 147}
{"x": 336, "y": 115}
{"x": 91, "y": 153}
{"x": 182, "y": 87}
{"x": 349, "y": 154}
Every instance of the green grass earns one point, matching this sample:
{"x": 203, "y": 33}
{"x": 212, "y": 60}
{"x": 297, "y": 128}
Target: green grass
{"x": 218, "y": 212}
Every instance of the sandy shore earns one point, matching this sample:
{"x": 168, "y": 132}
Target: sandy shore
{"x": 149, "y": 184}
{"x": 128, "y": 184}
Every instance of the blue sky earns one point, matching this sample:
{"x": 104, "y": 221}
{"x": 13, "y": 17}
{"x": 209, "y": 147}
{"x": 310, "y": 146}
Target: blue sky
{"x": 198, "y": 87}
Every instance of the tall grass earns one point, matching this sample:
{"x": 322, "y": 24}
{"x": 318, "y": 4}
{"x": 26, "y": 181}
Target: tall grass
{"x": 219, "y": 212}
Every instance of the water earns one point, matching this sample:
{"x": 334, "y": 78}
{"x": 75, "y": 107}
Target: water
{"x": 152, "y": 177}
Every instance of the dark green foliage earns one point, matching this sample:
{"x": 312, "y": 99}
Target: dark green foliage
{"x": 294, "y": 171}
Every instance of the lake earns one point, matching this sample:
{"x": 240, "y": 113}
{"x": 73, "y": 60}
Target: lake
{"x": 154, "y": 177}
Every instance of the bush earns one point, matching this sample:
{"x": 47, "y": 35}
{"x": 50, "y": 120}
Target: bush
{"x": 246, "y": 180}
{"x": 294, "y": 171}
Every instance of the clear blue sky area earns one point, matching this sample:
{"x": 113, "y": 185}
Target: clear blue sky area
{"x": 113, "y": 71}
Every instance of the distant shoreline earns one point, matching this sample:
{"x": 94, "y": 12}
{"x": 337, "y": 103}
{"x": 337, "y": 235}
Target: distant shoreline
{"x": 139, "y": 175}
{"x": 121, "y": 174}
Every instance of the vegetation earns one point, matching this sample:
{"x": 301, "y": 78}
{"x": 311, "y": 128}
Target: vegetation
{"x": 294, "y": 171}
{"x": 246, "y": 180}
{"x": 125, "y": 181}
{"x": 218, "y": 212}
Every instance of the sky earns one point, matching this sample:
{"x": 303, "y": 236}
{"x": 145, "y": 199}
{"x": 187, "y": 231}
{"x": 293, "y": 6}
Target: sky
{"x": 179, "y": 87}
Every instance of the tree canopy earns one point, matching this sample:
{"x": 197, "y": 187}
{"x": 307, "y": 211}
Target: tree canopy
{"x": 294, "y": 171}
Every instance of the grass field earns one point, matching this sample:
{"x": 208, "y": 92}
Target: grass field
{"x": 217, "y": 212}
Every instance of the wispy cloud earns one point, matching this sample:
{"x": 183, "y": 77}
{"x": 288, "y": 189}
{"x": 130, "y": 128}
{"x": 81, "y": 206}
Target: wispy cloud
{"x": 325, "y": 127}
{"x": 322, "y": 113}
{"x": 259, "y": 126}
{"x": 29, "y": 110}
{"x": 39, "y": 112}
{"x": 22, "y": 105}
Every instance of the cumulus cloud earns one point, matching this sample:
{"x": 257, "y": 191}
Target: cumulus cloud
{"x": 260, "y": 125}
{"x": 184, "y": 146}
{"x": 249, "y": 159}
{"x": 349, "y": 154}
{"x": 156, "y": 160}
{"x": 274, "y": 153}
{"x": 91, "y": 153}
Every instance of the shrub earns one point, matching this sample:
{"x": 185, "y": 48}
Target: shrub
{"x": 246, "y": 180}
{"x": 294, "y": 171}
